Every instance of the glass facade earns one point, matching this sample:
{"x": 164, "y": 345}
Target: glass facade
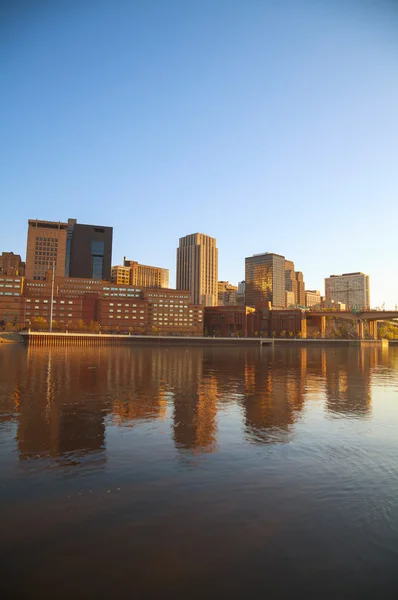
{"x": 97, "y": 258}
{"x": 265, "y": 280}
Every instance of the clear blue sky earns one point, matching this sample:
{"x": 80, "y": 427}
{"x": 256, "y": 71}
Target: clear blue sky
{"x": 270, "y": 125}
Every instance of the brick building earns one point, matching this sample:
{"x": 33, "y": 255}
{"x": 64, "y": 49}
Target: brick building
{"x": 11, "y": 264}
{"x": 243, "y": 321}
{"x": 113, "y": 307}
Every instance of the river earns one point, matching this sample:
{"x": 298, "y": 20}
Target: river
{"x": 199, "y": 472}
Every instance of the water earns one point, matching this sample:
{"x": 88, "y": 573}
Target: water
{"x": 199, "y": 473}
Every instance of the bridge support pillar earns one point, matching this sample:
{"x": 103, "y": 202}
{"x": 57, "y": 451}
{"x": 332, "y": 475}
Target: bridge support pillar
{"x": 323, "y": 327}
{"x": 360, "y": 329}
{"x": 373, "y": 329}
{"x": 303, "y": 327}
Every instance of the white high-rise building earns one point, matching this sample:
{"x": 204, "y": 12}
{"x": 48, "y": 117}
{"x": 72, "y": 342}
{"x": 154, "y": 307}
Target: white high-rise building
{"x": 197, "y": 268}
{"x": 351, "y": 289}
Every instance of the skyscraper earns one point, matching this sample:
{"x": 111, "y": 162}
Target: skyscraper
{"x": 265, "y": 280}
{"x": 89, "y": 251}
{"x": 197, "y": 268}
{"x": 46, "y": 245}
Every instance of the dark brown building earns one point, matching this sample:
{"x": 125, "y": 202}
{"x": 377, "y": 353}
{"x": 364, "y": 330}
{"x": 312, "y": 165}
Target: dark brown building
{"x": 229, "y": 321}
{"x": 243, "y": 321}
{"x": 88, "y": 251}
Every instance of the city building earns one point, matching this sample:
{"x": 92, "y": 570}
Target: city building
{"x": 351, "y": 289}
{"x": 244, "y": 321}
{"x": 11, "y": 264}
{"x": 76, "y": 250}
{"x": 46, "y": 246}
{"x": 89, "y": 251}
{"x": 197, "y": 268}
{"x": 290, "y": 284}
{"x": 265, "y": 280}
{"x": 80, "y": 303}
{"x": 300, "y": 288}
{"x": 312, "y": 298}
{"x": 147, "y": 276}
{"x": 290, "y": 299}
{"x": 240, "y": 294}
{"x": 228, "y": 321}
{"x": 227, "y": 293}
{"x": 120, "y": 275}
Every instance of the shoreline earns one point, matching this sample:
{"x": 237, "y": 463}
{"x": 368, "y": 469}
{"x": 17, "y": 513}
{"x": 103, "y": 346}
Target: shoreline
{"x": 89, "y": 339}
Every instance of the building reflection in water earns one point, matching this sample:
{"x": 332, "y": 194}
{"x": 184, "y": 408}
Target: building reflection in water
{"x": 348, "y": 380}
{"x": 63, "y": 399}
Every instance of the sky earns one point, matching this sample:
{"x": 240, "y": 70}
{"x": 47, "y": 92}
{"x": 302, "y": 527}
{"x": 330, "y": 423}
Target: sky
{"x": 271, "y": 126}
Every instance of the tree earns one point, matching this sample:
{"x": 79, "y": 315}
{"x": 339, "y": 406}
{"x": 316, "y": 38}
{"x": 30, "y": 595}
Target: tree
{"x": 39, "y": 323}
{"x": 81, "y": 326}
{"x": 283, "y": 333}
{"x": 94, "y": 326}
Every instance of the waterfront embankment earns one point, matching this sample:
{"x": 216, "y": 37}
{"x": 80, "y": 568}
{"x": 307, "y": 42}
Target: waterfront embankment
{"x": 10, "y": 338}
{"x": 89, "y": 339}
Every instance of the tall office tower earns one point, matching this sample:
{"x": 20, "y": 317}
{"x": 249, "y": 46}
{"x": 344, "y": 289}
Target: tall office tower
{"x": 89, "y": 251}
{"x": 300, "y": 288}
{"x": 46, "y": 245}
{"x": 227, "y": 293}
{"x": 197, "y": 268}
{"x": 265, "y": 280}
{"x": 290, "y": 283}
{"x": 11, "y": 264}
{"x": 147, "y": 276}
{"x": 352, "y": 289}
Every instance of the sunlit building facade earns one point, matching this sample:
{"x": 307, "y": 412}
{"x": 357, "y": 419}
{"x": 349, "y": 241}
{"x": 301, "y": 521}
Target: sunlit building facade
{"x": 265, "y": 280}
{"x": 197, "y": 268}
{"x": 351, "y": 289}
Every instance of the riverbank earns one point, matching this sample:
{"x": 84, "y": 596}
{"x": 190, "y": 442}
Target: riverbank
{"x": 10, "y": 338}
{"x": 89, "y": 339}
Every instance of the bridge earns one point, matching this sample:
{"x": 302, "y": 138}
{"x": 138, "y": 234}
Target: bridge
{"x": 360, "y": 318}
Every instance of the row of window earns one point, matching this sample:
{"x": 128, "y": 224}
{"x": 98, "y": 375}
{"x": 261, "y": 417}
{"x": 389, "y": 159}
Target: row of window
{"x": 10, "y": 280}
{"x": 128, "y": 295}
{"x": 126, "y": 317}
{"x": 167, "y": 296}
{"x": 120, "y": 310}
{"x": 29, "y": 313}
{"x": 37, "y": 300}
{"x": 115, "y": 289}
{"x": 9, "y": 294}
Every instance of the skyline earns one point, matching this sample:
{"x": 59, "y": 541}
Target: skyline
{"x": 189, "y": 242}
{"x": 269, "y": 128}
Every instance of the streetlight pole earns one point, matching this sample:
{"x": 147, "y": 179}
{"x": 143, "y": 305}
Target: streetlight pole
{"x": 52, "y": 298}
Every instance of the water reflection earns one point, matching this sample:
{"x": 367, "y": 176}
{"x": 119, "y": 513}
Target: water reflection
{"x": 63, "y": 399}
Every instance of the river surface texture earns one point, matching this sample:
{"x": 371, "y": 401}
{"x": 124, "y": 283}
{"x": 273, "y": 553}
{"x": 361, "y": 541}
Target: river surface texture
{"x": 199, "y": 472}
